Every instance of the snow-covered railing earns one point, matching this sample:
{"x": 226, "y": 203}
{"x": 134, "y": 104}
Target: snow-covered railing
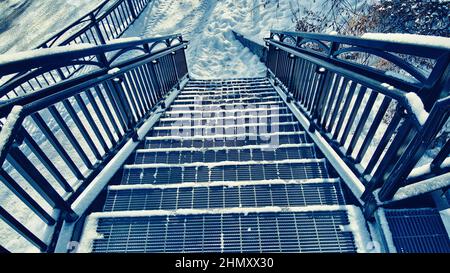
{"x": 375, "y": 121}
{"x": 422, "y": 69}
{"x": 256, "y": 48}
{"x": 106, "y": 22}
{"x": 56, "y": 141}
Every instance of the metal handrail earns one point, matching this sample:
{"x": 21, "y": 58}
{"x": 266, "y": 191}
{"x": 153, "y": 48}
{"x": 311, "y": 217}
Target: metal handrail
{"x": 99, "y": 26}
{"x": 338, "y": 98}
{"x": 67, "y": 133}
{"x": 332, "y": 46}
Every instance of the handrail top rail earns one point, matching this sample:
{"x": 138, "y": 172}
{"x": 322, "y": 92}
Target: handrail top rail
{"x": 426, "y": 51}
{"x": 24, "y": 61}
{"x": 392, "y": 92}
{"x": 88, "y": 80}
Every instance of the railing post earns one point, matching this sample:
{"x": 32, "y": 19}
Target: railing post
{"x": 439, "y": 82}
{"x": 277, "y": 50}
{"x": 97, "y": 29}
{"x": 291, "y": 70}
{"x": 323, "y": 74}
{"x": 175, "y": 68}
{"x": 440, "y": 157}
{"x": 119, "y": 95}
{"x": 413, "y": 152}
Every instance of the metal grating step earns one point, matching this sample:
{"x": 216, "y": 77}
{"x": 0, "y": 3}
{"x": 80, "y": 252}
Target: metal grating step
{"x": 259, "y": 195}
{"x": 199, "y": 101}
{"x": 134, "y": 174}
{"x": 230, "y": 141}
{"x": 227, "y": 106}
{"x": 228, "y": 82}
{"x": 254, "y": 110}
{"x": 225, "y": 120}
{"x": 226, "y": 130}
{"x": 228, "y": 95}
{"x": 418, "y": 230}
{"x": 244, "y": 91}
{"x": 180, "y": 157}
{"x": 225, "y": 82}
{"x": 252, "y": 232}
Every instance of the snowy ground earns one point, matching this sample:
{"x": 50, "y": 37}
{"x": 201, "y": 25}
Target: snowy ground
{"x": 27, "y": 23}
{"x": 213, "y": 52}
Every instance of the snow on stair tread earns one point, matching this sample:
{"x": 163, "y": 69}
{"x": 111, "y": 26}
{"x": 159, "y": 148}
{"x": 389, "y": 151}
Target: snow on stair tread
{"x": 224, "y": 196}
{"x": 152, "y": 174}
{"x": 258, "y": 109}
{"x": 225, "y": 120}
{"x": 198, "y": 101}
{"x": 329, "y": 228}
{"x": 224, "y": 141}
{"x": 209, "y": 155}
{"x": 227, "y": 106}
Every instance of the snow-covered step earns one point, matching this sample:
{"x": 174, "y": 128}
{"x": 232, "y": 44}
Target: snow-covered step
{"x": 242, "y": 129}
{"x": 229, "y": 95}
{"x": 228, "y": 92}
{"x": 189, "y": 121}
{"x": 269, "y": 229}
{"x": 226, "y": 106}
{"x": 245, "y": 195}
{"x": 252, "y": 110}
{"x": 201, "y": 101}
{"x": 224, "y": 171}
{"x": 251, "y": 128}
{"x": 224, "y": 82}
{"x": 225, "y": 141}
{"x": 214, "y": 91}
{"x": 255, "y": 153}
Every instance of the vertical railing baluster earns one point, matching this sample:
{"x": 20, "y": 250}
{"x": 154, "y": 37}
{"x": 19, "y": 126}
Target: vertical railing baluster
{"x": 132, "y": 10}
{"x": 97, "y": 29}
{"x": 14, "y": 187}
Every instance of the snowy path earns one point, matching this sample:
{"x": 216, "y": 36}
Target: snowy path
{"x": 213, "y": 52}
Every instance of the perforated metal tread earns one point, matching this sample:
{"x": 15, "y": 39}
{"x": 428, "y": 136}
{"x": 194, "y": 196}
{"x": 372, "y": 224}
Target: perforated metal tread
{"x": 200, "y": 100}
{"x": 253, "y": 232}
{"x": 182, "y": 174}
{"x": 225, "y": 120}
{"x": 225, "y": 141}
{"x": 220, "y": 130}
{"x": 418, "y": 230}
{"x": 254, "y": 154}
{"x": 208, "y": 197}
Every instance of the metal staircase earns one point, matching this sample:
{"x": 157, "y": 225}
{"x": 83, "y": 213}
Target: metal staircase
{"x": 227, "y": 168}
{"x": 319, "y": 156}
